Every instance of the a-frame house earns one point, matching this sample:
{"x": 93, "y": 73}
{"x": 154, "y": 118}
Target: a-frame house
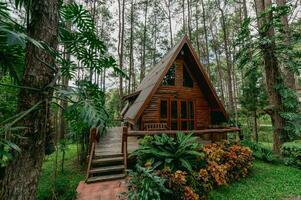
{"x": 176, "y": 94}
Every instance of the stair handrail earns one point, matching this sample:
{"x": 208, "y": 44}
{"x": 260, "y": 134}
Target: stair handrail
{"x": 92, "y": 143}
{"x": 124, "y": 145}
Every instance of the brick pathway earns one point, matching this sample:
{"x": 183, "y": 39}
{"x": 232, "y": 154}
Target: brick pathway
{"x": 107, "y": 190}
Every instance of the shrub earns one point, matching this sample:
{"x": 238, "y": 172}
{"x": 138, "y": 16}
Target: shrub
{"x": 261, "y": 153}
{"x": 161, "y": 151}
{"x": 292, "y": 153}
{"x": 219, "y": 165}
{"x": 145, "y": 184}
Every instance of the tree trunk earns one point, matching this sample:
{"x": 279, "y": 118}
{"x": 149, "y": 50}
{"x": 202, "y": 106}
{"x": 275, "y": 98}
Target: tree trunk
{"x": 228, "y": 59}
{"x": 218, "y": 64}
{"x": 272, "y": 71}
{"x": 131, "y": 47}
{"x": 183, "y": 15}
{"x": 155, "y": 33}
{"x": 197, "y": 29}
{"x": 206, "y": 37}
{"x": 121, "y": 6}
{"x": 20, "y": 176}
{"x": 189, "y": 18}
{"x": 255, "y": 129}
{"x": 142, "y": 72}
{"x": 167, "y": 3}
{"x": 289, "y": 75}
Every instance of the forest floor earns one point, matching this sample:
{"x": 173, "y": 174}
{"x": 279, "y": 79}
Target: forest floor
{"x": 266, "y": 181}
{"x": 64, "y": 188}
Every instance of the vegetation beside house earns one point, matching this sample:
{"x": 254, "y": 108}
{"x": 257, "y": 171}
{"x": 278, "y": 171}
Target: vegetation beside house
{"x": 206, "y": 67}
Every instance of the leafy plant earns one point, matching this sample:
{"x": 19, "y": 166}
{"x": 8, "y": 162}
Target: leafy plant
{"x": 292, "y": 153}
{"x": 220, "y": 165}
{"x": 261, "y": 153}
{"x": 146, "y": 184}
{"x": 161, "y": 151}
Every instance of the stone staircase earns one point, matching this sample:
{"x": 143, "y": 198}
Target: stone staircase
{"x": 106, "y": 167}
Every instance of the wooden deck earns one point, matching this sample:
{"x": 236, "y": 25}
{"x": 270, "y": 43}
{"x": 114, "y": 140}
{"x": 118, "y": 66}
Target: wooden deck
{"x": 111, "y": 143}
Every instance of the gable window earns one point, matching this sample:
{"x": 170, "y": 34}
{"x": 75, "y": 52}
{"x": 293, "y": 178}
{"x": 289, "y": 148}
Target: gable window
{"x": 187, "y": 80}
{"x": 170, "y": 77}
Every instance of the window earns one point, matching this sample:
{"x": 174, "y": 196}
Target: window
{"x": 187, "y": 80}
{"x": 187, "y": 115}
{"x": 163, "y": 109}
{"x": 170, "y": 77}
{"x": 174, "y": 115}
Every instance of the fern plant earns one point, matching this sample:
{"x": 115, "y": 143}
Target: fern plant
{"x": 179, "y": 153}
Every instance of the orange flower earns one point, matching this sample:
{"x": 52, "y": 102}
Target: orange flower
{"x": 189, "y": 194}
{"x": 180, "y": 176}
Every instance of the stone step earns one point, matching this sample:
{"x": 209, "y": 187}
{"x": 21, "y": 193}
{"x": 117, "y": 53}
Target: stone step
{"x": 105, "y": 178}
{"x": 107, "y": 169}
{"x": 108, "y": 160}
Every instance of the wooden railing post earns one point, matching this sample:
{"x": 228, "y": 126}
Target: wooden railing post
{"x": 125, "y": 145}
{"x": 92, "y": 143}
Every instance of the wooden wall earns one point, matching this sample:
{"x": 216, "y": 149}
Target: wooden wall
{"x": 202, "y": 109}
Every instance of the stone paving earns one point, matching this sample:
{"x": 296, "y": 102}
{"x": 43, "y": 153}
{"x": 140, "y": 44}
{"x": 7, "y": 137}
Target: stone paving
{"x": 108, "y": 190}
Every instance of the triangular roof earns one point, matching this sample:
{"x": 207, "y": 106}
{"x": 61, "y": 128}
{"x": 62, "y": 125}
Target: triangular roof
{"x": 153, "y": 79}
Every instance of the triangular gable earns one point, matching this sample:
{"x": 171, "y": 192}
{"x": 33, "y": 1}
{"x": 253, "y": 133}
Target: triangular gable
{"x": 153, "y": 79}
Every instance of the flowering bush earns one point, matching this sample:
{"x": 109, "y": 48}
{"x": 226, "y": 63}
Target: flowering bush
{"x": 221, "y": 164}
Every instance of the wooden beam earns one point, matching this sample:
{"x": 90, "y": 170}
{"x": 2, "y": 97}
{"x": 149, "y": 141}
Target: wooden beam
{"x": 173, "y": 132}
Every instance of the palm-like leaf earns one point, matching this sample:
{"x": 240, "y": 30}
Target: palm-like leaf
{"x": 177, "y": 153}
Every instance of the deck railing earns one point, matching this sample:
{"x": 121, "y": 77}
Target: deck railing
{"x": 92, "y": 143}
{"x": 133, "y": 133}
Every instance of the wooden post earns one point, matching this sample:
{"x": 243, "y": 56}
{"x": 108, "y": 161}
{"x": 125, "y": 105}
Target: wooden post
{"x": 125, "y": 145}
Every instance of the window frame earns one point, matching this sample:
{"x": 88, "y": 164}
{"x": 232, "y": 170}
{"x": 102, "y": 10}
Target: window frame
{"x": 185, "y": 69}
{"x": 174, "y": 66}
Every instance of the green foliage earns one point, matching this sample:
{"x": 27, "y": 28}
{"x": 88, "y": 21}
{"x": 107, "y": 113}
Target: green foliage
{"x": 266, "y": 182}
{"x": 177, "y": 153}
{"x": 287, "y": 54}
{"x": 292, "y": 153}
{"x": 88, "y": 109}
{"x": 219, "y": 165}
{"x": 112, "y": 107}
{"x": 261, "y": 152}
{"x": 146, "y": 184}
{"x": 82, "y": 42}
{"x": 61, "y": 186}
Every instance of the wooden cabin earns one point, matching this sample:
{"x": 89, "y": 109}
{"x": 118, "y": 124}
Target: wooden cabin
{"x": 176, "y": 94}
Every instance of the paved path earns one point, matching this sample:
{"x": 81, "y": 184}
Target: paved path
{"x": 108, "y": 190}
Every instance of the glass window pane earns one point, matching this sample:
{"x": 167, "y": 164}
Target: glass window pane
{"x": 174, "y": 125}
{"x": 183, "y": 110}
{"x": 174, "y": 110}
{"x": 190, "y": 110}
{"x": 170, "y": 76}
{"x": 191, "y": 125}
{"x": 187, "y": 80}
{"x": 184, "y": 125}
{"x": 163, "y": 109}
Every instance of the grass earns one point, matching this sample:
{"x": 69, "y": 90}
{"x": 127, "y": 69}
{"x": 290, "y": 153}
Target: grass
{"x": 65, "y": 185}
{"x": 266, "y": 181}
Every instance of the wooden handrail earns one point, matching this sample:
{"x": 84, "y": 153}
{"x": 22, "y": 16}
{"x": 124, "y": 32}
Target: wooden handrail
{"x": 132, "y": 133}
{"x": 92, "y": 144}
{"x": 173, "y": 132}
{"x": 124, "y": 148}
